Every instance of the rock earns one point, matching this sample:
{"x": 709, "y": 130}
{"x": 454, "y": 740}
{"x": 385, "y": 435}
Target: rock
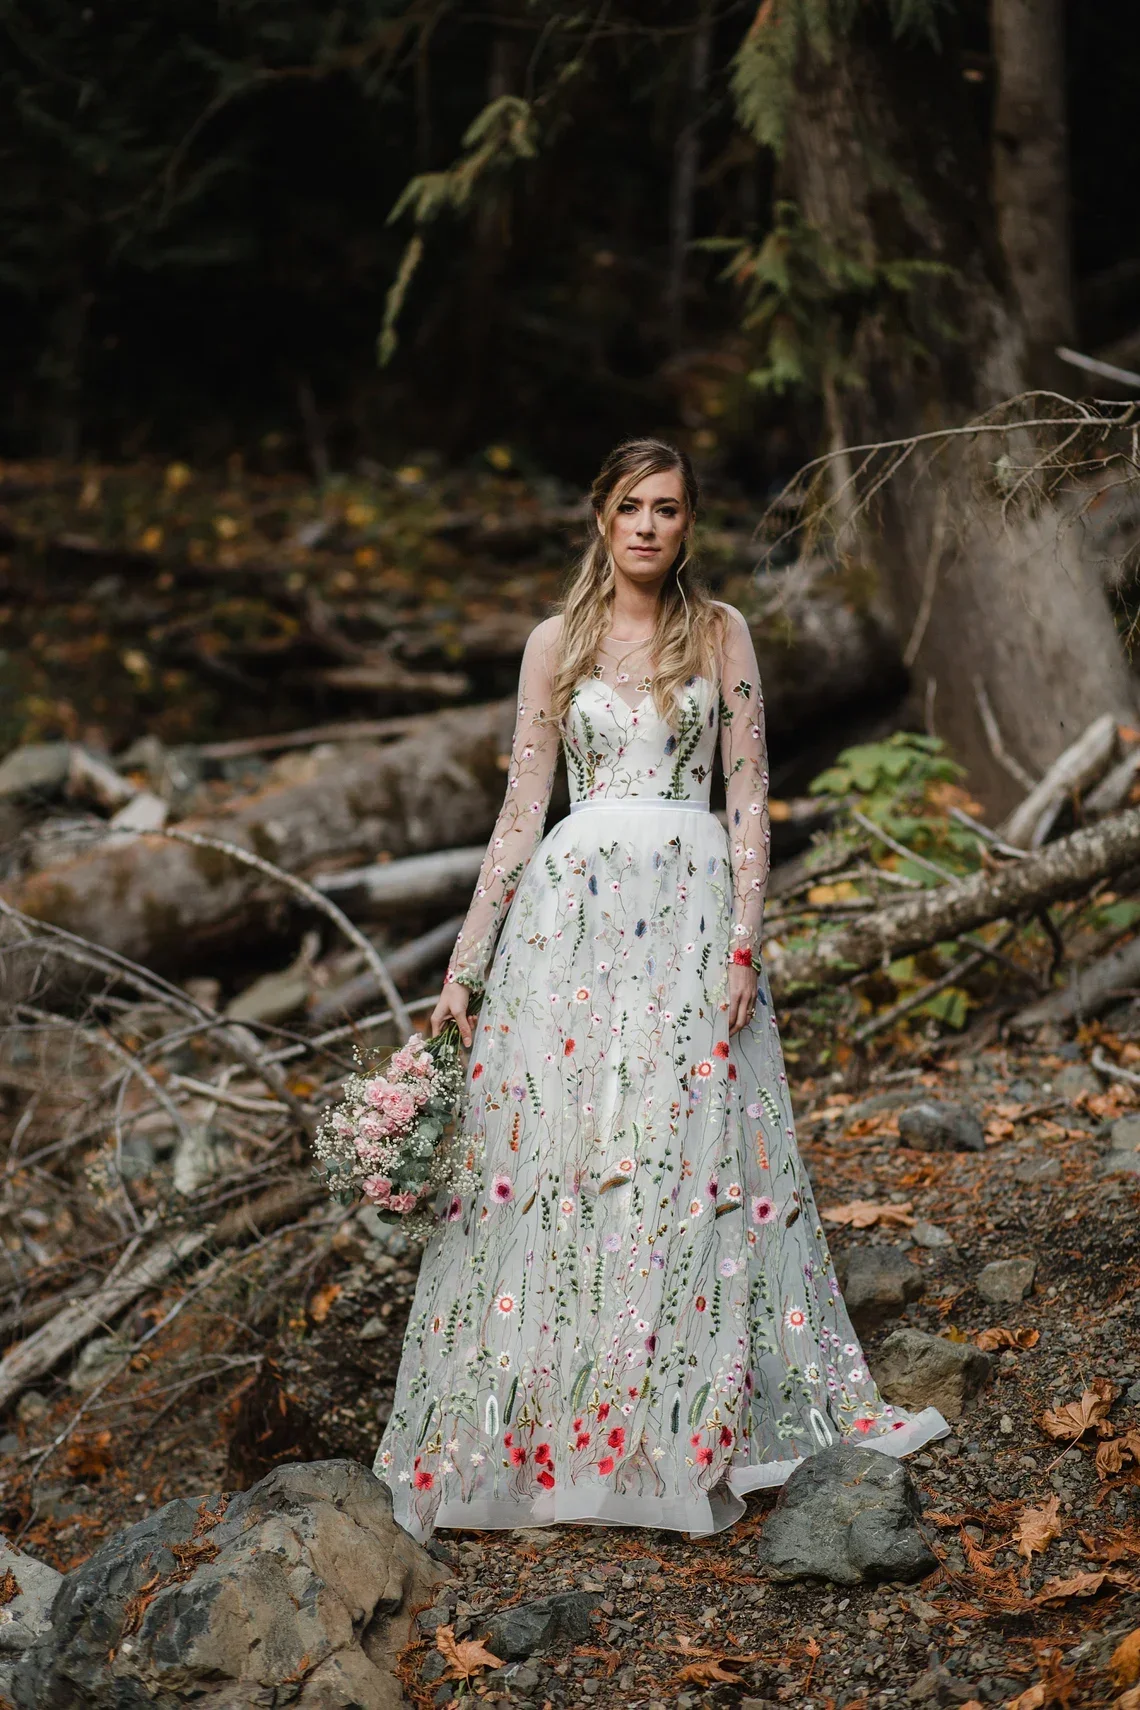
{"x": 1006, "y": 1281}
{"x": 1036, "y": 1170}
{"x": 195, "y": 1159}
{"x": 298, "y": 1591}
{"x": 915, "y": 1370}
{"x": 848, "y": 1515}
{"x": 529, "y": 1627}
{"x": 939, "y": 1687}
{"x": 390, "y": 1239}
{"x": 1073, "y": 1080}
{"x": 144, "y": 812}
{"x": 95, "y": 1360}
{"x": 27, "y": 1614}
{"x": 925, "y": 1234}
{"x": 936, "y": 1126}
{"x": 31, "y": 1407}
{"x": 877, "y": 1283}
{"x": 520, "y": 1677}
{"x": 38, "y": 768}
{"x": 1123, "y": 1155}
{"x": 1132, "y": 1393}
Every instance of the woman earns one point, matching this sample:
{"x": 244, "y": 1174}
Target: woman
{"x": 635, "y": 1320}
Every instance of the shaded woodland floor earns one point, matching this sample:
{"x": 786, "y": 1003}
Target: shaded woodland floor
{"x": 293, "y": 1357}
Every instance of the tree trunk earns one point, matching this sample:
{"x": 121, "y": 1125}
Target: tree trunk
{"x": 1031, "y": 174}
{"x": 686, "y": 159}
{"x": 996, "y": 610}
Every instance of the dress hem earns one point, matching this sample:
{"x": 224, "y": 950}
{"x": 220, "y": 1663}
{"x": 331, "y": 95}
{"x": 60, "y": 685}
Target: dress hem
{"x": 703, "y": 1517}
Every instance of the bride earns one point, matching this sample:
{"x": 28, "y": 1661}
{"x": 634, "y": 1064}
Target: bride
{"x": 635, "y": 1319}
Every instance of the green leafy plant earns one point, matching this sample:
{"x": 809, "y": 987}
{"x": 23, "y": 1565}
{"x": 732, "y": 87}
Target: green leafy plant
{"x": 906, "y": 785}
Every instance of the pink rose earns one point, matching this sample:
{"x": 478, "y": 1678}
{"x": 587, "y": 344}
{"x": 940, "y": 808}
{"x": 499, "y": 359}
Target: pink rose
{"x": 376, "y": 1188}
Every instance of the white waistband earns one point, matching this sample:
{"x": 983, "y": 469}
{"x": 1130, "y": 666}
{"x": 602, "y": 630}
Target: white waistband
{"x": 640, "y": 804}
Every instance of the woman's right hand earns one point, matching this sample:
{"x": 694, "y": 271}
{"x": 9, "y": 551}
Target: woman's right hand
{"x": 452, "y": 1006}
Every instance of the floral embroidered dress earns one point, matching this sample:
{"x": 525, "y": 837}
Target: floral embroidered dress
{"x": 635, "y": 1320}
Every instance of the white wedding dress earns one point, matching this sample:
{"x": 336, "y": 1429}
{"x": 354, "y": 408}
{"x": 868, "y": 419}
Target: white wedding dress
{"x": 636, "y": 1319}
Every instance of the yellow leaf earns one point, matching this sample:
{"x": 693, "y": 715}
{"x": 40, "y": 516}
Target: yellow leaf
{"x": 178, "y": 475}
{"x": 778, "y": 809}
{"x": 150, "y": 539}
{"x": 1125, "y": 1663}
{"x": 464, "y": 1657}
{"x": 226, "y": 527}
{"x": 499, "y": 457}
{"x": 844, "y": 891}
{"x": 359, "y": 515}
{"x": 410, "y": 475}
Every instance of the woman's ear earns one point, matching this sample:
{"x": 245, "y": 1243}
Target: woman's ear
{"x": 600, "y": 520}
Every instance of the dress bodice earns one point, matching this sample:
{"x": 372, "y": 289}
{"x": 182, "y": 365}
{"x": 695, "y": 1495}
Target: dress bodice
{"x": 619, "y": 749}
{"x": 624, "y": 750}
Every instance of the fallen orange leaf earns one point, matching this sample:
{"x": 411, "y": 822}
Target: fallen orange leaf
{"x": 709, "y": 1672}
{"x": 1037, "y": 1527}
{"x": 1125, "y": 1663}
{"x": 1111, "y": 1455}
{"x": 1128, "y": 1700}
{"x": 1083, "y": 1585}
{"x": 464, "y": 1657}
{"x": 864, "y": 1213}
{"x": 1000, "y": 1337}
{"x": 1033, "y": 1698}
{"x": 322, "y": 1301}
{"x": 1071, "y": 1421}
{"x": 9, "y": 1587}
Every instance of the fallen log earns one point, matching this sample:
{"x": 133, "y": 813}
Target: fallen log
{"x": 80, "y": 1319}
{"x": 1090, "y": 991}
{"x": 934, "y": 916}
{"x": 1082, "y": 763}
{"x": 445, "y": 876}
{"x": 357, "y": 993}
{"x": 163, "y": 903}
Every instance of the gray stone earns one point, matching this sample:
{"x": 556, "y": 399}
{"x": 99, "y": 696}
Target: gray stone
{"x": 521, "y": 1677}
{"x": 915, "y": 1370}
{"x": 1073, "y": 1080}
{"x": 27, "y": 1615}
{"x": 939, "y": 1687}
{"x": 1036, "y": 1170}
{"x": 877, "y": 1284}
{"x": 1004, "y": 1282}
{"x": 1132, "y": 1393}
{"x": 529, "y": 1627}
{"x": 941, "y": 1126}
{"x": 38, "y": 768}
{"x": 925, "y": 1234}
{"x": 300, "y": 1593}
{"x": 31, "y": 1407}
{"x": 390, "y": 1239}
{"x": 95, "y": 1360}
{"x": 1123, "y": 1155}
{"x": 848, "y": 1515}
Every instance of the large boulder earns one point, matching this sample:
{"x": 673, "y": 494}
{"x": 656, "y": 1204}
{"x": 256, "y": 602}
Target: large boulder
{"x": 1123, "y": 1155}
{"x": 849, "y": 1515}
{"x": 917, "y": 1370}
{"x": 300, "y": 1590}
{"x": 878, "y": 1283}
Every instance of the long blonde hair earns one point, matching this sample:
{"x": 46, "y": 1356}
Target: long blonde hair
{"x": 689, "y": 623}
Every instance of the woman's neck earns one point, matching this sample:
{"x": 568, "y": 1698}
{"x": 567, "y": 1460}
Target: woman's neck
{"x": 633, "y": 614}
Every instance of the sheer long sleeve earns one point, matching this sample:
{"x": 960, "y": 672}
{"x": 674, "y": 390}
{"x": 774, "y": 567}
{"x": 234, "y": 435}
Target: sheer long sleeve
{"x": 745, "y": 757}
{"x": 518, "y": 829}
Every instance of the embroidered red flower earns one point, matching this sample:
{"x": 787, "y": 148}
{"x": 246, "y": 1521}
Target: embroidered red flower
{"x": 423, "y": 1480}
{"x": 603, "y": 1412}
{"x": 726, "y": 1437}
{"x": 700, "y": 1303}
{"x": 616, "y": 1438}
{"x": 546, "y": 1480}
{"x": 695, "y": 1442}
{"x": 518, "y": 1455}
{"x": 863, "y": 1424}
{"x": 704, "y": 1457}
{"x": 720, "y": 1049}
{"x": 732, "y": 1071}
{"x": 476, "y": 1071}
{"x": 577, "y": 1426}
{"x": 583, "y": 1440}
{"x": 606, "y": 1465}
{"x": 568, "y": 1048}
{"x": 542, "y": 1454}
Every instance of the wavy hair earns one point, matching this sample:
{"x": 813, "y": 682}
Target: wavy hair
{"x": 689, "y": 623}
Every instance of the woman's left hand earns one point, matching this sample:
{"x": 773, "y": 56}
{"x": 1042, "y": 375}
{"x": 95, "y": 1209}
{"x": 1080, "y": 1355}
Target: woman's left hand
{"x": 741, "y": 996}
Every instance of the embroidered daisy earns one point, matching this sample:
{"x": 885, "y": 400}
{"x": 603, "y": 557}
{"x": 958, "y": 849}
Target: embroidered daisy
{"x": 795, "y": 1318}
{"x": 505, "y": 1305}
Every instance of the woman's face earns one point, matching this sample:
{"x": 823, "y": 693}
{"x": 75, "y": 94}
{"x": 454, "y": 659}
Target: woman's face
{"x": 648, "y": 528}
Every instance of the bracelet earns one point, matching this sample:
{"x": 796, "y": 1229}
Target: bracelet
{"x": 742, "y": 958}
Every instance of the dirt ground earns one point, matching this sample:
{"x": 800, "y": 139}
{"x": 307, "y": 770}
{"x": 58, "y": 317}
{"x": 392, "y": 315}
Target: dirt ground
{"x": 290, "y": 1351}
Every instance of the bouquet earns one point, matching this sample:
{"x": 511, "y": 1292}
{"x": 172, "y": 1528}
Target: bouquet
{"x": 384, "y": 1141}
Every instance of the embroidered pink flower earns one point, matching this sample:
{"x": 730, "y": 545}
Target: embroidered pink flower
{"x": 502, "y": 1189}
